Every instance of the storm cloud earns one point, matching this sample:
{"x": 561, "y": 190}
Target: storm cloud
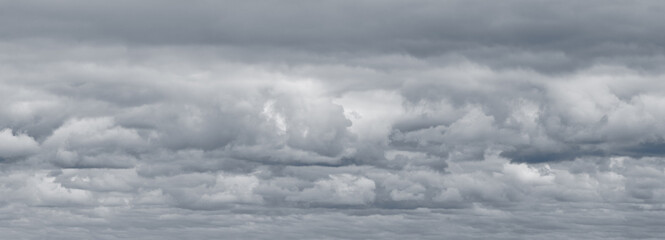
{"x": 332, "y": 119}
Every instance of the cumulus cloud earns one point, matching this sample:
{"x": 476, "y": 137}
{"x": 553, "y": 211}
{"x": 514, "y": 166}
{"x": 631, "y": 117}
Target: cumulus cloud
{"x": 340, "y": 189}
{"x": 391, "y": 120}
{"x": 16, "y": 145}
{"x": 94, "y": 143}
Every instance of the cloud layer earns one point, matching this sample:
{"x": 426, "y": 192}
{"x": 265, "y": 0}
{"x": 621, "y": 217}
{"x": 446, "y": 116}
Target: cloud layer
{"x": 332, "y": 119}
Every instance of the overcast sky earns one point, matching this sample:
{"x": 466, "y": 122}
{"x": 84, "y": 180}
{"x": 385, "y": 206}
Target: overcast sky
{"x": 340, "y": 119}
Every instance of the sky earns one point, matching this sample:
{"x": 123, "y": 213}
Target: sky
{"x": 366, "y": 119}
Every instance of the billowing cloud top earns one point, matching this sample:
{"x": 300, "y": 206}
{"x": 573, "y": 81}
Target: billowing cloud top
{"x": 332, "y": 119}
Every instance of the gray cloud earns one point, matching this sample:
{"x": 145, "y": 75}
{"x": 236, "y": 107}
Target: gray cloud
{"x": 549, "y": 36}
{"x": 391, "y": 120}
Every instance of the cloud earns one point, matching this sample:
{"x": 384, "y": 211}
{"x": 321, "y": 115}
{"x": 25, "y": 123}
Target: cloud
{"x": 339, "y": 189}
{"x": 223, "y": 191}
{"x": 393, "y": 120}
{"x": 16, "y": 145}
{"x": 94, "y": 143}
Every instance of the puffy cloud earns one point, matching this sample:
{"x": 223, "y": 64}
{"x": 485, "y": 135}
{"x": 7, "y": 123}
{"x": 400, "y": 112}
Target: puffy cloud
{"x": 249, "y": 120}
{"x": 16, "y": 145}
{"x": 93, "y": 143}
{"x": 221, "y": 192}
{"x": 339, "y": 189}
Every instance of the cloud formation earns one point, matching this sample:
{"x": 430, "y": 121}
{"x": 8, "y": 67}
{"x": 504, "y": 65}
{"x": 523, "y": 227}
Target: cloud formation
{"x": 390, "y": 120}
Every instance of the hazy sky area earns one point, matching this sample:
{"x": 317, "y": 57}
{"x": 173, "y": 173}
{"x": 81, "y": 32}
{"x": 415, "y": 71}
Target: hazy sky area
{"x": 296, "y": 119}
